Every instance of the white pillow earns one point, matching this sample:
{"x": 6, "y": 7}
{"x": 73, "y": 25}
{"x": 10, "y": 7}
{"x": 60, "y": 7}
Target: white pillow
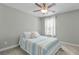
{"x": 34, "y": 34}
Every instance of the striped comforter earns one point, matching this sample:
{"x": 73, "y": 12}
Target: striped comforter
{"x": 38, "y": 46}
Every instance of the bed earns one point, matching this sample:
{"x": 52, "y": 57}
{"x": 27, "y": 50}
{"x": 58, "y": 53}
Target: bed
{"x": 40, "y": 45}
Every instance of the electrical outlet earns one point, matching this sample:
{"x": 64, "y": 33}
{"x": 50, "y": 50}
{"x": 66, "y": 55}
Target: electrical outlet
{"x": 5, "y": 42}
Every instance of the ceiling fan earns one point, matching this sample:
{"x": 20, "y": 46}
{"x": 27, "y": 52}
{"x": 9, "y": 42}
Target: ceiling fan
{"x": 44, "y": 7}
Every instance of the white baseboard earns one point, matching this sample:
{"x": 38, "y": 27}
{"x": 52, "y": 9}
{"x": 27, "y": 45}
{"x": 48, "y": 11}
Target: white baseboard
{"x": 13, "y": 46}
{"x": 77, "y": 45}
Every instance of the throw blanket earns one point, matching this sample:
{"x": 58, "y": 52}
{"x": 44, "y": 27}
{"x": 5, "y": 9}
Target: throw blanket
{"x": 39, "y": 46}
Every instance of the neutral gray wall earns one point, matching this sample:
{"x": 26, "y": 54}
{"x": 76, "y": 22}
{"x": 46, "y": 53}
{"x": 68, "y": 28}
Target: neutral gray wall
{"x": 67, "y": 25}
{"x": 12, "y": 23}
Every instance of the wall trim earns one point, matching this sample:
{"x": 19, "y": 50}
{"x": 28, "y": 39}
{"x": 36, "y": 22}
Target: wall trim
{"x": 13, "y": 46}
{"x": 76, "y": 45}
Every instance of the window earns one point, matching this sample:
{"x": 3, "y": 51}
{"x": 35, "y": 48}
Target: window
{"x": 50, "y": 26}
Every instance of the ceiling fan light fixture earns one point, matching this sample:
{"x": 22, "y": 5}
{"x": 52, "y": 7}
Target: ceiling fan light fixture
{"x": 44, "y": 7}
{"x": 44, "y": 11}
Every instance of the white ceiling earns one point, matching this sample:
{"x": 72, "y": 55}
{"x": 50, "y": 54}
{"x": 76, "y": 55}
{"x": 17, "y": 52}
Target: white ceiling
{"x": 59, "y": 8}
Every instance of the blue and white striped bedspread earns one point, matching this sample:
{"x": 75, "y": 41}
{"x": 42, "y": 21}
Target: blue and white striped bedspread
{"x": 38, "y": 46}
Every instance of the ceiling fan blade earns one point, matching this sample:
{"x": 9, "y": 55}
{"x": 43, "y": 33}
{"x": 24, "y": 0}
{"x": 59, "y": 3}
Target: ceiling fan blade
{"x": 38, "y": 5}
{"x": 51, "y": 5}
{"x": 52, "y": 11}
{"x": 36, "y": 10}
{"x": 44, "y": 4}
